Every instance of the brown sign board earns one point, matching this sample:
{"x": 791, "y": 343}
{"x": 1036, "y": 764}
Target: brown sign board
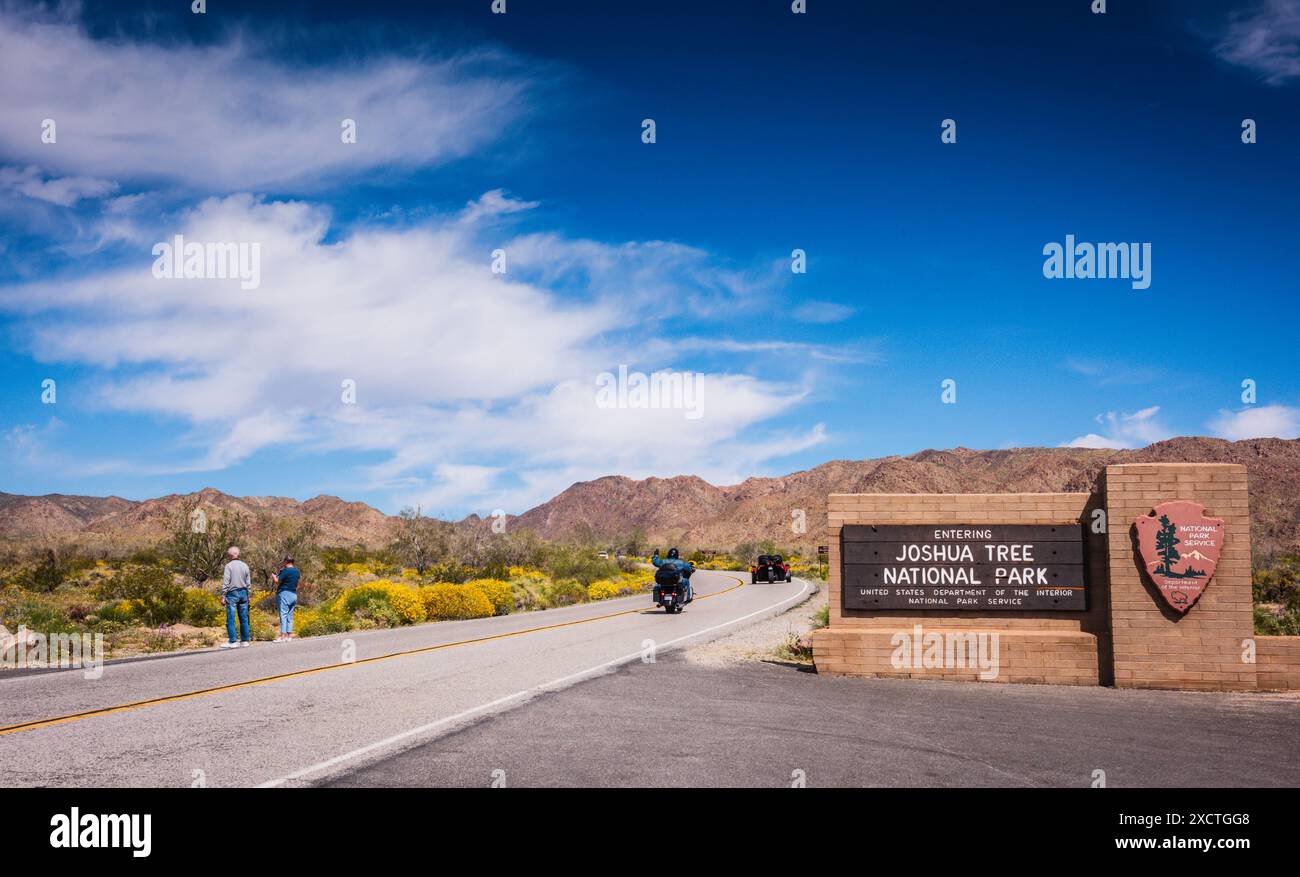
{"x": 965, "y": 567}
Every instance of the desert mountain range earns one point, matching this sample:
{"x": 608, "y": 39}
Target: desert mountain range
{"x": 688, "y": 511}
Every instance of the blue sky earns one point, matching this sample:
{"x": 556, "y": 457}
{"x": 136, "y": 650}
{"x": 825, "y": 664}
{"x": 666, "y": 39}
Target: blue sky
{"x": 522, "y": 132}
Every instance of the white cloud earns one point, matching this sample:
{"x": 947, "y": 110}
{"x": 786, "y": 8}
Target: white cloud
{"x": 1267, "y": 41}
{"x": 1267, "y": 421}
{"x": 474, "y": 388}
{"x": 822, "y": 312}
{"x": 1124, "y": 430}
{"x": 233, "y": 115}
{"x": 64, "y": 191}
{"x": 494, "y": 203}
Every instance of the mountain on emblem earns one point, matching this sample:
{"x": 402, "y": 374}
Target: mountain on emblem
{"x": 1180, "y": 549}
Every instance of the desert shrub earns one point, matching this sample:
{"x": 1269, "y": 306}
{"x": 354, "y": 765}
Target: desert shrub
{"x": 386, "y": 603}
{"x": 162, "y": 640}
{"x": 202, "y": 609}
{"x": 447, "y": 602}
{"x": 602, "y": 590}
{"x": 46, "y": 574}
{"x": 116, "y": 612}
{"x": 42, "y": 617}
{"x": 1280, "y": 623}
{"x": 822, "y": 618}
{"x": 320, "y": 622}
{"x": 152, "y": 591}
{"x": 265, "y": 625}
{"x": 564, "y": 593}
{"x": 499, "y": 594}
{"x": 579, "y": 563}
{"x": 1279, "y": 582}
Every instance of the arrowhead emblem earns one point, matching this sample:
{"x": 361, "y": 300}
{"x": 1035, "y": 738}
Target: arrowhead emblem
{"x": 1180, "y": 548}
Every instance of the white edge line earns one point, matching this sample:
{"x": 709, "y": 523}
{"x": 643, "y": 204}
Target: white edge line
{"x": 528, "y": 692}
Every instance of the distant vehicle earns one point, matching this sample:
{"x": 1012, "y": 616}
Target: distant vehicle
{"x": 604, "y": 555}
{"x": 770, "y": 568}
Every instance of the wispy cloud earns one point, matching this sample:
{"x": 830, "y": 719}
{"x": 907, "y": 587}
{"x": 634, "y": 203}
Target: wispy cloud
{"x": 234, "y": 116}
{"x": 1123, "y": 430}
{"x": 822, "y": 312}
{"x": 1265, "y": 40}
{"x": 64, "y": 191}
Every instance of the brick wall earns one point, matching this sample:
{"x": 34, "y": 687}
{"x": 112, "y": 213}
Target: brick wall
{"x": 1153, "y": 645}
{"x": 1062, "y": 647}
{"x": 1277, "y": 662}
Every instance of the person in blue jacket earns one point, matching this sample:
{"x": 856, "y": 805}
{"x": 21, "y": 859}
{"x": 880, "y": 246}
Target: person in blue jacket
{"x": 673, "y": 561}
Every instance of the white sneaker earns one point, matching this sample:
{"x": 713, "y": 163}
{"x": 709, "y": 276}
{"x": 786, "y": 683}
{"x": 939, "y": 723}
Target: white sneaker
{"x": 244, "y": 644}
{"x": 230, "y": 645}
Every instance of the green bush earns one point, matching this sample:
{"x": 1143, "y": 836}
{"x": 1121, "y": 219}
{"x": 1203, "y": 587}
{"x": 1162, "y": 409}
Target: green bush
{"x": 320, "y": 622}
{"x": 120, "y": 612}
{"x": 153, "y": 591}
{"x": 565, "y": 593}
{"x": 579, "y": 563}
{"x": 1269, "y": 623}
{"x": 203, "y": 609}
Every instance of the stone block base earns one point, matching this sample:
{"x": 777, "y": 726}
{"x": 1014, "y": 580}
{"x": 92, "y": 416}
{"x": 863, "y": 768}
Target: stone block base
{"x": 1277, "y": 662}
{"x": 1055, "y": 657}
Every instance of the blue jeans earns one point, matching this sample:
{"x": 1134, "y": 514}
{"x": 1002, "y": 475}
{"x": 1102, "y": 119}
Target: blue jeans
{"x": 288, "y": 600}
{"x": 237, "y": 601}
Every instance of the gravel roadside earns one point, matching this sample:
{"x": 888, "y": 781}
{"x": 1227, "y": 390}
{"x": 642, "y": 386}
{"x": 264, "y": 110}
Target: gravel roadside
{"x": 764, "y": 640}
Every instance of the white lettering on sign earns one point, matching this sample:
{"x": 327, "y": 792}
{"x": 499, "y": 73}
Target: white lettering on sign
{"x": 1010, "y": 553}
{"x": 963, "y": 534}
{"x": 928, "y": 552}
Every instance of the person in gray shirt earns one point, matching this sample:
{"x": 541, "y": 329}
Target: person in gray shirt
{"x": 235, "y": 583}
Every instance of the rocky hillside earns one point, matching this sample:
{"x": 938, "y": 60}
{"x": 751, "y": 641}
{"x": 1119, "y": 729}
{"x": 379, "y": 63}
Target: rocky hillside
{"x": 689, "y": 511}
{"x": 119, "y": 520}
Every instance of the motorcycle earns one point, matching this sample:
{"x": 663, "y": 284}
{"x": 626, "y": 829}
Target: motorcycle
{"x": 670, "y": 590}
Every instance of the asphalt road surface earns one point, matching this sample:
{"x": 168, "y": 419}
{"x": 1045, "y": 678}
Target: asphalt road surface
{"x": 676, "y": 723}
{"x": 222, "y": 722}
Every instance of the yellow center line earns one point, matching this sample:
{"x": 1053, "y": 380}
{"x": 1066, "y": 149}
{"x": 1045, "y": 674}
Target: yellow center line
{"x": 172, "y": 698}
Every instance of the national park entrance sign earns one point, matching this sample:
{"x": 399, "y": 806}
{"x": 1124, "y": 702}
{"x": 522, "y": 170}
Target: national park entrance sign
{"x": 1144, "y": 581}
{"x": 966, "y": 567}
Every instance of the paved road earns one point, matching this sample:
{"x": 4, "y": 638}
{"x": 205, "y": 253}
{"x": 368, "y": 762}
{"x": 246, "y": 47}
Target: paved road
{"x": 674, "y": 723}
{"x": 314, "y": 723}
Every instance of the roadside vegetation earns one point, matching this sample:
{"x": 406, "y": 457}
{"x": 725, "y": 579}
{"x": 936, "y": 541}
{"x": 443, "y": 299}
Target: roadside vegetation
{"x": 165, "y": 596}
{"x": 1276, "y": 590}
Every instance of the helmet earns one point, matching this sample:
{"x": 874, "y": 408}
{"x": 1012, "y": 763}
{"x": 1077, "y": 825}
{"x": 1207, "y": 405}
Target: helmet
{"x": 672, "y": 553}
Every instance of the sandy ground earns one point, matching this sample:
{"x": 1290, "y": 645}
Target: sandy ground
{"x": 761, "y": 641}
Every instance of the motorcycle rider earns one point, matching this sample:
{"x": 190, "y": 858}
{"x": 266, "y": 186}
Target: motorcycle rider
{"x": 674, "y": 562}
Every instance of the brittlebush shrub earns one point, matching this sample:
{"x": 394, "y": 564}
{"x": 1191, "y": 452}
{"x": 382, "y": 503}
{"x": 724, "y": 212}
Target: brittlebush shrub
{"x": 499, "y": 594}
{"x": 203, "y": 609}
{"x": 602, "y": 590}
{"x": 372, "y": 599}
{"x": 446, "y": 602}
{"x": 320, "y": 622}
{"x": 623, "y": 586}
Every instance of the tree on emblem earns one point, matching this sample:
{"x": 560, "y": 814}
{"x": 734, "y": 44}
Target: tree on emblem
{"x": 1166, "y": 539}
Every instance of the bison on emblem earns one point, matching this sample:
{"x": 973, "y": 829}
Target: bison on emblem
{"x": 1180, "y": 548}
